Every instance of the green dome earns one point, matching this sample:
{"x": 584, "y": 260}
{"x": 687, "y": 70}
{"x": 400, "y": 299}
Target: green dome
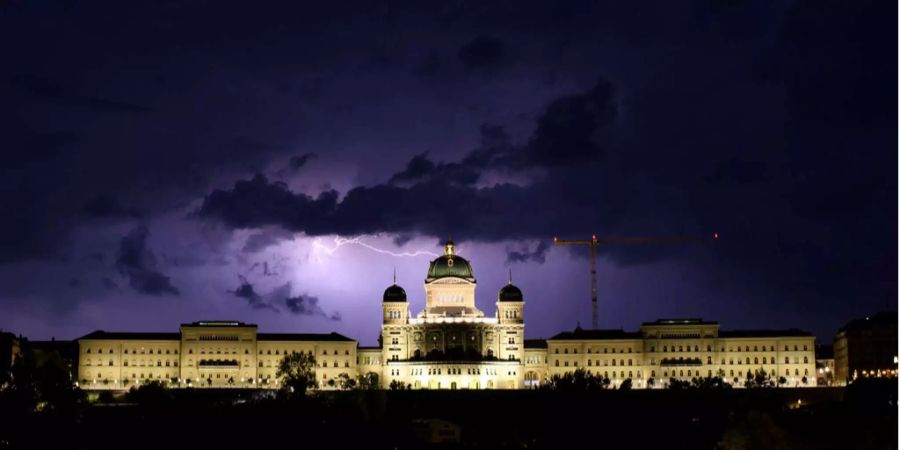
{"x": 394, "y": 293}
{"x": 450, "y": 265}
{"x": 510, "y": 293}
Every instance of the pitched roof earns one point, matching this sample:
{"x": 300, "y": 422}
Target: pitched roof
{"x": 100, "y": 334}
{"x": 793, "y": 332}
{"x": 332, "y": 337}
{"x": 884, "y": 320}
{"x": 687, "y": 321}
{"x": 581, "y": 334}
{"x": 535, "y": 343}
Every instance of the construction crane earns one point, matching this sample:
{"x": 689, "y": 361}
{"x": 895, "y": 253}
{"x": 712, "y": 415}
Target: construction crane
{"x": 594, "y": 241}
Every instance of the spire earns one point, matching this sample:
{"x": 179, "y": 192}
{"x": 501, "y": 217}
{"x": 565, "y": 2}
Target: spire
{"x": 448, "y": 248}
{"x": 395, "y": 275}
{"x": 510, "y": 276}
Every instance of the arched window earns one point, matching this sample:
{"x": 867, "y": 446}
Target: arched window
{"x": 764, "y": 359}
{"x": 748, "y": 360}
{"x": 755, "y": 360}
{"x": 709, "y": 359}
{"x": 787, "y": 360}
{"x": 805, "y": 360}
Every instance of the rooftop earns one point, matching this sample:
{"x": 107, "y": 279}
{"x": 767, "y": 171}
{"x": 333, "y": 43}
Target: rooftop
{"x": 792, "y": 332}
{"x": 535, "y": 343}
{"x": 218, "y": 323}
{"x": 683, "y": 321}
{"x": 333, "y": 337}
{"x": 882, "y": 320}
{"x": 141, "y": 336}
{"x": 580, "y": 334}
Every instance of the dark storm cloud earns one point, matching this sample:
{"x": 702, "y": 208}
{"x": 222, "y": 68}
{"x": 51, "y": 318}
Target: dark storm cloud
{"x": 307, "y": 305}
{"x": 49, "y": 90}
{"x": 483, "y": 52}
{"x": 31, "y": 146}
{"x": 301, "y": 304}
{"x": 771, "y": 122}
{"x": 258, "y": 242}
{"x": 247, "y": 292}
{"x": 538, "y": 255}
{"x": 440, "y": 198}
{"x": 297, "y": 162}
{"x": 401, "y": 239}
{"x": 107, "y": 206}
{"x": 137, "y": 263}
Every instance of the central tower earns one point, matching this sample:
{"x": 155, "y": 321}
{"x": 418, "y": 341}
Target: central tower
{"x": 450, "y": 287}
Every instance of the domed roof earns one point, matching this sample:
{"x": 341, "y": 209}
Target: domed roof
{"x": 450, "y": 265}
{"x": 394, "y": 293}
{"x": 510, "y": 293}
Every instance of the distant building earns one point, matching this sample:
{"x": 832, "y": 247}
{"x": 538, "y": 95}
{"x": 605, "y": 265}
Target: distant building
{"x": 685, "y": 349}
{"x": 825, "y": 365}
{"x": 450, "y": 344}
{"x": 9, "y": 349}
{"x": 866, "y": 348}
{"x": 61, "y": 353}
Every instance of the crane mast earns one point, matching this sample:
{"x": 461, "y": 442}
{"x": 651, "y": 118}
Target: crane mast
{"x": 593, "y": 242}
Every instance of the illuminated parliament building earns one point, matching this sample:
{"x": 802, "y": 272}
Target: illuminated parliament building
{"x": 450, "y": 344}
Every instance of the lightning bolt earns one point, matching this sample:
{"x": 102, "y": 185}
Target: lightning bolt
{"x": 339, "y": 242}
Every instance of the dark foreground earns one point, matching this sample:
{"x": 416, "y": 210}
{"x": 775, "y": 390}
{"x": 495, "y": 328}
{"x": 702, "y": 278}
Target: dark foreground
{"x": 859, "y": 417}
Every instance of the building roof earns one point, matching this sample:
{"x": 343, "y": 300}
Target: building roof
{"x": 793, "y": 332}
{"x": 394, "y": 293}
{"x": 332, "y": 337}
{"x": 219, "y": 323}
{"x": 681, "y": 321}
{"x": 884, "y": 320}
{"x": 581, "y": 334}
{"x": 535, "y": 343}
{"x": 450, "y": 265}
{"x": 510, "y": 293}
{"x": 139, "y": 336}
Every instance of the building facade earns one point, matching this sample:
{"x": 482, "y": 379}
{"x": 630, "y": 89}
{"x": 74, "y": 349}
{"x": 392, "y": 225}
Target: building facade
{"x": 450, "y": 344}
{"x": 866, "y": 348}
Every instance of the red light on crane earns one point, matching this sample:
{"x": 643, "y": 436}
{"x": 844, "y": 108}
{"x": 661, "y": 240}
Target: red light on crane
{"x": 715, "y": 235}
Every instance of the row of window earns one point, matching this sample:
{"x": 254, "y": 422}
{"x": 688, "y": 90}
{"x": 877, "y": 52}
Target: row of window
{"x": 709, "y": 360}
{"x": 683, "y": 348}
{"x": 159, "y": 363}
{"x": 133, "y": 351}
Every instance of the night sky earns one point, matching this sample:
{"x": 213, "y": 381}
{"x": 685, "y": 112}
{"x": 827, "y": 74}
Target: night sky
{"x": 166, "y": 162}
